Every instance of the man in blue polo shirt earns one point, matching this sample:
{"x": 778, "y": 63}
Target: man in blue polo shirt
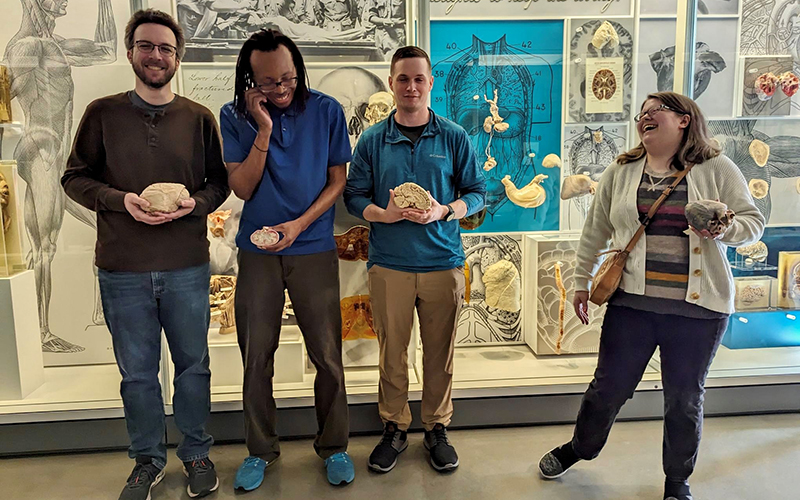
{"x": 286, "y": 148}
{"x": 415, "y": 256}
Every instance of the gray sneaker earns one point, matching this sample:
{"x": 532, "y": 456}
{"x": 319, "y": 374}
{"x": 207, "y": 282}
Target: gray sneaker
{"x": 393, "y": 443}
{"x": 144, "y": 477}
{"x": 555, "y": 463}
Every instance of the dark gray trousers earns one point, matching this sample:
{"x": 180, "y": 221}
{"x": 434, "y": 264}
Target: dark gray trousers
{"x": 628, "y": 340}
{"x": 313, "y": 285}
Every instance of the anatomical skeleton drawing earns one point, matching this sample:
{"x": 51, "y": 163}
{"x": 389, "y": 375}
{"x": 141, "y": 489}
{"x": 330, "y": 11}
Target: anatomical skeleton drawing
{"x": 40, "y": 62}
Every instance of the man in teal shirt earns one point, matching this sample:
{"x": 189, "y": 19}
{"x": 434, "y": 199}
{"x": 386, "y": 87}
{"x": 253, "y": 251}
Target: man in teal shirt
{"x": 415, "y": 256}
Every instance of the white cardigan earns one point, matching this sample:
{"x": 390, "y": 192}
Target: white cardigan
{"x": 614, "y": 218}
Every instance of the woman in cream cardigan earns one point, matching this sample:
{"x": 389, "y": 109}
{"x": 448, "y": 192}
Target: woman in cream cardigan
{"x": 676, "y": 291}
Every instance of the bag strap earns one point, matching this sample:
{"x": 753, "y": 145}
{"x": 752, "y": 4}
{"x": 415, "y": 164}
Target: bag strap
{"x": 653, "y": 209}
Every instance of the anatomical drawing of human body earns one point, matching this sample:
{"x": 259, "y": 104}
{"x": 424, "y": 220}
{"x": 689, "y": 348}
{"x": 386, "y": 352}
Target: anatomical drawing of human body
{"x": 40, "y": 63}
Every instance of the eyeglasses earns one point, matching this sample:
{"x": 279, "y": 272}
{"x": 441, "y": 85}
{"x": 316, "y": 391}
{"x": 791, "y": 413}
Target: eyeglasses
{"x": 652, "y": 112}
{"x": 287, "y": 83}
{"x": 166, "y": 49}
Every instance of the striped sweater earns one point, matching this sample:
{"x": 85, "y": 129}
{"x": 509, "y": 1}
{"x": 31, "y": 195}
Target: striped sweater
{"x": 613, "y": 219}
{"x": 666, "y": 276}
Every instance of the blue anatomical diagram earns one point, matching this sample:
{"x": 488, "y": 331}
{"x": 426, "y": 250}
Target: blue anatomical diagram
{"x": 502, "y": 95}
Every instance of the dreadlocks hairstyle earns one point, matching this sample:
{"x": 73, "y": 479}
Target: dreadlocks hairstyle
{"x": 697, "y": 145}
{"x": 266, "y": 41}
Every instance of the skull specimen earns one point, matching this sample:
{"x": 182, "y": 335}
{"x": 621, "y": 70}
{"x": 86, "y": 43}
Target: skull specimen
{"x": 709, "y": 215}
{"x": 352, "y": 87}
{"x": 379, "y": 105}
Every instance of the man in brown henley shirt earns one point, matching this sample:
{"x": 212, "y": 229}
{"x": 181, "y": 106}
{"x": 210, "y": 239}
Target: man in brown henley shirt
{"x": 153, "y": 266}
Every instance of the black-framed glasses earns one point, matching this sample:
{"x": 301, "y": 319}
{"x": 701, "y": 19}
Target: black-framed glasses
{"x": 652, "y": 112}
{"x": 287, "y": 83}
{"x": 148, "y": 47}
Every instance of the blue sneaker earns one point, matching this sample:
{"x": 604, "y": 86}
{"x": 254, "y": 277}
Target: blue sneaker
{"x": 340, "y": 469}
{"x": 250, "y": 474}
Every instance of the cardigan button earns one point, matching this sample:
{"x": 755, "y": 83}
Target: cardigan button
{"x": 697, "y": 250}
{"x": 698, "y": 272}
{"x": 694, "y": 296}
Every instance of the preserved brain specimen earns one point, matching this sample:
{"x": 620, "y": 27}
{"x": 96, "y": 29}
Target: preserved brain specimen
{"x": 758, "y": 188}
{"x": 709, "y": 215}
{"x": 605, "y": 36}
{"x": 264, "y": 237}
{"x": 165, "y": 197}
{"x": 759, "y": 151}
{"x": 752, "y": 293}
{"x": 410, "y": 195}
{"x": 604, "y": 84}
{"x": 531, "y": 195}
{"x": 502, "y": 284}
{"x": 757, "y": 251}
{"x": 765, "y": 85}
{"x": 354, "y": 244}
{"x": 789, "y": 83}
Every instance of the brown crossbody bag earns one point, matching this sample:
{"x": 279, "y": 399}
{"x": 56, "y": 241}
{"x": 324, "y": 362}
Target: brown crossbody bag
{"x": 606, "y": 280}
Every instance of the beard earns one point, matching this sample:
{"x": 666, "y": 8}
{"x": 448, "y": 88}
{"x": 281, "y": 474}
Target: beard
{"x": 141, "y": 73}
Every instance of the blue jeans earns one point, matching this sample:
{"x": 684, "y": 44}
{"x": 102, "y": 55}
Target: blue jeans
{"x": 137, "y": 306}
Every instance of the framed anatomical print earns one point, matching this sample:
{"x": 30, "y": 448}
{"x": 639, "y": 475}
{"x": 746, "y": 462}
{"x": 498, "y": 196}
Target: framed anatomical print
{"x": 503, "y": 85}
{"x": 365, "y": 31}
{"x": 492, "y": 310}
{"x": 592, "y": 39}
{"x": 363, "y": 92}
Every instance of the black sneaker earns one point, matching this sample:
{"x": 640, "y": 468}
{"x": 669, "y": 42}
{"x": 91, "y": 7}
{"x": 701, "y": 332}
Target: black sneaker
{"x": 145, "y": 475}
{"x": 443, "y": 455}
{"x": 555, "y": 463}
{"x": 393, "y": 443}
{"x": 202, "y": 477}
{"x": 677, "y": 490}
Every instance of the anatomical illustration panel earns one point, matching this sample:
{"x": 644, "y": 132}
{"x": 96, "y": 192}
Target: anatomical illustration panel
{"x": 503, "y": 85}
{"x": 493, "y": 313}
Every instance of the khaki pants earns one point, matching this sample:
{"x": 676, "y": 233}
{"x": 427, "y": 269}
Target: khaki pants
{"x": 437, "y": 297}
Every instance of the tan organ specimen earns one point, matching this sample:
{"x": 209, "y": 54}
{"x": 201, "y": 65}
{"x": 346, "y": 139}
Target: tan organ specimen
{"x": 502, "y": 284}
{"x": 759, "y": 151}
{"x": 164, "y": 197}
{"x": 410, "y": 195}
{"x": 531, "y": 195}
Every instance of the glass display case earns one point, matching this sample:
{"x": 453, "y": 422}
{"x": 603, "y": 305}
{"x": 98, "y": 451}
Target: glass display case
{"x": 546, "y": 92}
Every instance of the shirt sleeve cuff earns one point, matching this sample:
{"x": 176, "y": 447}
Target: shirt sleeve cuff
{"x": 356, "y": 206}
{"x": 115, "y": 200}
{"x": 581, "y": 284}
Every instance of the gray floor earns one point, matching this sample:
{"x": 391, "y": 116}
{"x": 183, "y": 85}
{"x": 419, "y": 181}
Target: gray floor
{"x": 741, "y": 458}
